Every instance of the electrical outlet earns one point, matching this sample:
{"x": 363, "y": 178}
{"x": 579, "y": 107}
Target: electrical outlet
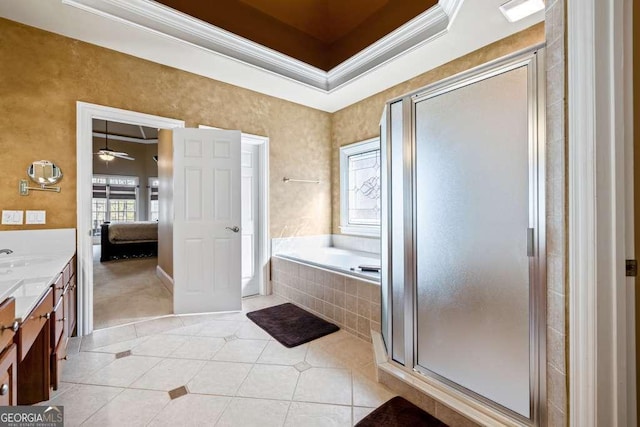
{"x": 12, "y": 217}
{"x": 36, "y": 217}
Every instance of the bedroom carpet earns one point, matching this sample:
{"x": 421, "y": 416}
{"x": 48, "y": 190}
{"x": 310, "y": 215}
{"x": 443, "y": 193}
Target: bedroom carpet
{"x": 127, "y": 291}
{"x": 291, "y": 325}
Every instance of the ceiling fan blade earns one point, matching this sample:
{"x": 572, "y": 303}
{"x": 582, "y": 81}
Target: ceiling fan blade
{"x": 122, "y": 156}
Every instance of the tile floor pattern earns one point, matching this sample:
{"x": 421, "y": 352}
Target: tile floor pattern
{"x": 234, "y": 374}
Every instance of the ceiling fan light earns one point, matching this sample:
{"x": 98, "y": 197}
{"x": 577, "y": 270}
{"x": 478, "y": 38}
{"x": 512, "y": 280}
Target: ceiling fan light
{"x": 515, "y": 10}
{"x": 106, "y": 157}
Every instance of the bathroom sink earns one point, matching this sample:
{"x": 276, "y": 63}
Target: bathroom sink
{"x": 25, "y": 261}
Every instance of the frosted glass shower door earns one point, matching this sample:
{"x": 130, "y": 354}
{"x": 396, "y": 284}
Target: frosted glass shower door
{"x": 472, "y": 216}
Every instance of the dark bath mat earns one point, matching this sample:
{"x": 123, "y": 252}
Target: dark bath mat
{"x": 399, "y": 412}
{"x": 291, "y": 325}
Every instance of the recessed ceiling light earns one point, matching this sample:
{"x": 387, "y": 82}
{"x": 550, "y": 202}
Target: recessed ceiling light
{"x": 515, "y": 10}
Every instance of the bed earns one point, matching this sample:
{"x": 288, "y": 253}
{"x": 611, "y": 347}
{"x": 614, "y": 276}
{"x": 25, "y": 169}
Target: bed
{"x": 128, "y": 240}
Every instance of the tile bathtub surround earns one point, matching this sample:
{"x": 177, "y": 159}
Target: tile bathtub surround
{"x": 331, "y": 379}
{"x": 352, "y": 304}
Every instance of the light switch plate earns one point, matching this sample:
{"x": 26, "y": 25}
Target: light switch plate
{"x": 12, "y": 217}
{"x": 36, "y": 217}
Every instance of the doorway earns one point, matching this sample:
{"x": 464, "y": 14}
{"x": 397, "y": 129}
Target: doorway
{"x": 86, "y": 113}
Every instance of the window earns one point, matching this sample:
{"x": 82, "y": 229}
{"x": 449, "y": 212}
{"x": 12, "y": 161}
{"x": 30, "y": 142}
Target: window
{"x": 115, "y": 199}
{"x": 360, "y": 188}
{"x": 154, "y": 207}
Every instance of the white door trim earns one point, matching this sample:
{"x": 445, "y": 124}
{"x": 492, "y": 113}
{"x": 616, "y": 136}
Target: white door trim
{"x": 85, "y": 113}
{"x": 263, "y": 206}
{"x": 598, "y": 129}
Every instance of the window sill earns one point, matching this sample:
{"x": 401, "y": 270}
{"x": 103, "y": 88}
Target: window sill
{"x": 364, "y": 231}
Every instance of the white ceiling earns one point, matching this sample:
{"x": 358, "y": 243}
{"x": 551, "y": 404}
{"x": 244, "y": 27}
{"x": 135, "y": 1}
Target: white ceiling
{"x": 476, "y": 24}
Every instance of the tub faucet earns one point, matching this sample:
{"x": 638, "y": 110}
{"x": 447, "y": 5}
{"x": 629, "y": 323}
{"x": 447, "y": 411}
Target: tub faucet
{"x": 6, "y": 251}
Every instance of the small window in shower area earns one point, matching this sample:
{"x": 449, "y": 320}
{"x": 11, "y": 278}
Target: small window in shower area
{"x": 360, "y": 188}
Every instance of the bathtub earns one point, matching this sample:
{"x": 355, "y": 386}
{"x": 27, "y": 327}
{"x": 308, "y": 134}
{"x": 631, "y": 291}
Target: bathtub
{"x": 336, "y": 259}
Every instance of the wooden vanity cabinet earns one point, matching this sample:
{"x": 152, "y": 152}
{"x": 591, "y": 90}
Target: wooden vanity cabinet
{"x": 9, "y": 354}
{"x": 63, "y": 320}
{"x": 34, "y": 352}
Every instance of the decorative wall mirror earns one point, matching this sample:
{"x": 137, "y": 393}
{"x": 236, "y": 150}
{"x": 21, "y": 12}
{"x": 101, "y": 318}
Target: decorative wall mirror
{"x": 44, "y": 173}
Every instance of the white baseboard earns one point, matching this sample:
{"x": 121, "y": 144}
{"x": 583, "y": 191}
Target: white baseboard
{"x": 166, "y": 280}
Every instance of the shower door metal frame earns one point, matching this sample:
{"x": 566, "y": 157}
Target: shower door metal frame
{"x": 534, "y": 60}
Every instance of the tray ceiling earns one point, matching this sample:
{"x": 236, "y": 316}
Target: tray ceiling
{"x": 322, "y": 33}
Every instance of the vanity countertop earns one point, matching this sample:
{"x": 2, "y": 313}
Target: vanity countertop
{"x": 27, "y": 278}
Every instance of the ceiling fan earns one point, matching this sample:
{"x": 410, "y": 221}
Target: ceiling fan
{"x": 106, "y": 153}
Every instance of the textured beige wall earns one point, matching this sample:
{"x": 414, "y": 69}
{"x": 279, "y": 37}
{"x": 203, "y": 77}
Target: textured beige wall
{"x": 361, "y": 120}
{"x": 43, "y": 75}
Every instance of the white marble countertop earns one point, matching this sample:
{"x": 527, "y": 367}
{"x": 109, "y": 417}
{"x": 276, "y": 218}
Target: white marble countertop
{"x": 38, "y": 257}
{"x": 27, "y": 277}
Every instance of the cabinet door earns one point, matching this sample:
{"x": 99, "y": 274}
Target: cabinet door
{"x": 8, "y": 376}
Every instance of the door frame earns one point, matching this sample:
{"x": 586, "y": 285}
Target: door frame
{"x": 264, "y": 252}
{"x": 85, "y": 113}
{"x": 602, "y": 389}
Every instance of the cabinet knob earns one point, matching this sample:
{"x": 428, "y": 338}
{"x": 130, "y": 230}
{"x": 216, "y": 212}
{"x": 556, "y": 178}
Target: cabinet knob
{"x": 14, "y": 326}
{"x": 63, "y": 358}
{"x": 62, "y": 320}
{"x": 46, "y": 316}
{"x": 4, "y": 389}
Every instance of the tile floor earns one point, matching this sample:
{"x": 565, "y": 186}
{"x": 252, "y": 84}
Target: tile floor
{"x": 222, "y": 370}
{"x": 127, "y": 291}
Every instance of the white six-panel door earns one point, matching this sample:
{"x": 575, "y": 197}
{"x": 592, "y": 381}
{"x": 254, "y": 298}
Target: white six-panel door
{"x": 207, "y": 220}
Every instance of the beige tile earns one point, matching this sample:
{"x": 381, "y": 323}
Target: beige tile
{"x": 109, "y": 336}
{"x": 364, "y": 308}
{"x": 123, "y": 372}
{"x": 364, "y": 326}
{"x": 242, "y": 351}
{"x": 360, "y": 413}
{"x": 329, "y": 295}
{"x": 82, "y": 401}
{"x": 73, "y": 345}
{"x": 351, "y": 303}
{"x": 243, "y": 412}
{"x": 277, "y": 354}
{"x": 318, "y": 415}
{"x": 556, "y": 417}
{"x": 194, "y": 410}
{"x": 130, "y": 408}
{"x": 220, "y": 328}
{"x": 270, "y": 382}
{"x": 451, "y": 417}
{"x": 328, "y": 310}
{"x": 351, "y": 286}
{"x": 81, "y": 366}
{"x": 190, "y": 330}
{"x": 338, "y": 283}
{"x": 364, "y": 290}
{"x": 375, "y": 313}
{"x": 219, "y": 378}
{"x": 321, "y": 359}
{"x": 121, "y": 346}
{"x": 157, "y": 326}
{"x": 556, "y": 387}
{"x": 369, "y": 393}
{"x": 159, "y": 345}
{"x": 339, "y": 315}
{"x": 376, "y": 296}
{"x": 324, "y": 385}
{"x": 252, "y": 331}
{"x": 169, "y": 374}
{"x": 202, "y": 348}
{"x": 351, "y": 320}
{"x": 340, "y": 299}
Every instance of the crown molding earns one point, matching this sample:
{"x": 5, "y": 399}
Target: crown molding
{"x": 158, "y": 18}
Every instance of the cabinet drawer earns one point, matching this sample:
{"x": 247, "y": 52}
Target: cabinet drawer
{"x": 57, "y": 323}
{"x": 70, "y": 307}
{"x": 57, "y": 361}
{"x": 58, "y": 287}
{"x": 8, "y": 324}
{"x": 9, "y": 377}
{"x": 72, "y": 267}
{"x": 66, "y": 274}
{"x": 32, "y": 326}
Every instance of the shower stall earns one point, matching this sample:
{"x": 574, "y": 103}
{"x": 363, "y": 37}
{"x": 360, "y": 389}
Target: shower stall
{"x": 463, "y": 283}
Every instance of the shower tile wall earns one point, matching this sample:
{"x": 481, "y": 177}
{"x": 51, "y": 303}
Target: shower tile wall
{"x": 352, "y": 304}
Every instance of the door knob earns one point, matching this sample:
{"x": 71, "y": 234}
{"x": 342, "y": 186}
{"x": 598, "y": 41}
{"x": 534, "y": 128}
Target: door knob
{"x": 235, "y": 229}
{"x": 4, "y": 389}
